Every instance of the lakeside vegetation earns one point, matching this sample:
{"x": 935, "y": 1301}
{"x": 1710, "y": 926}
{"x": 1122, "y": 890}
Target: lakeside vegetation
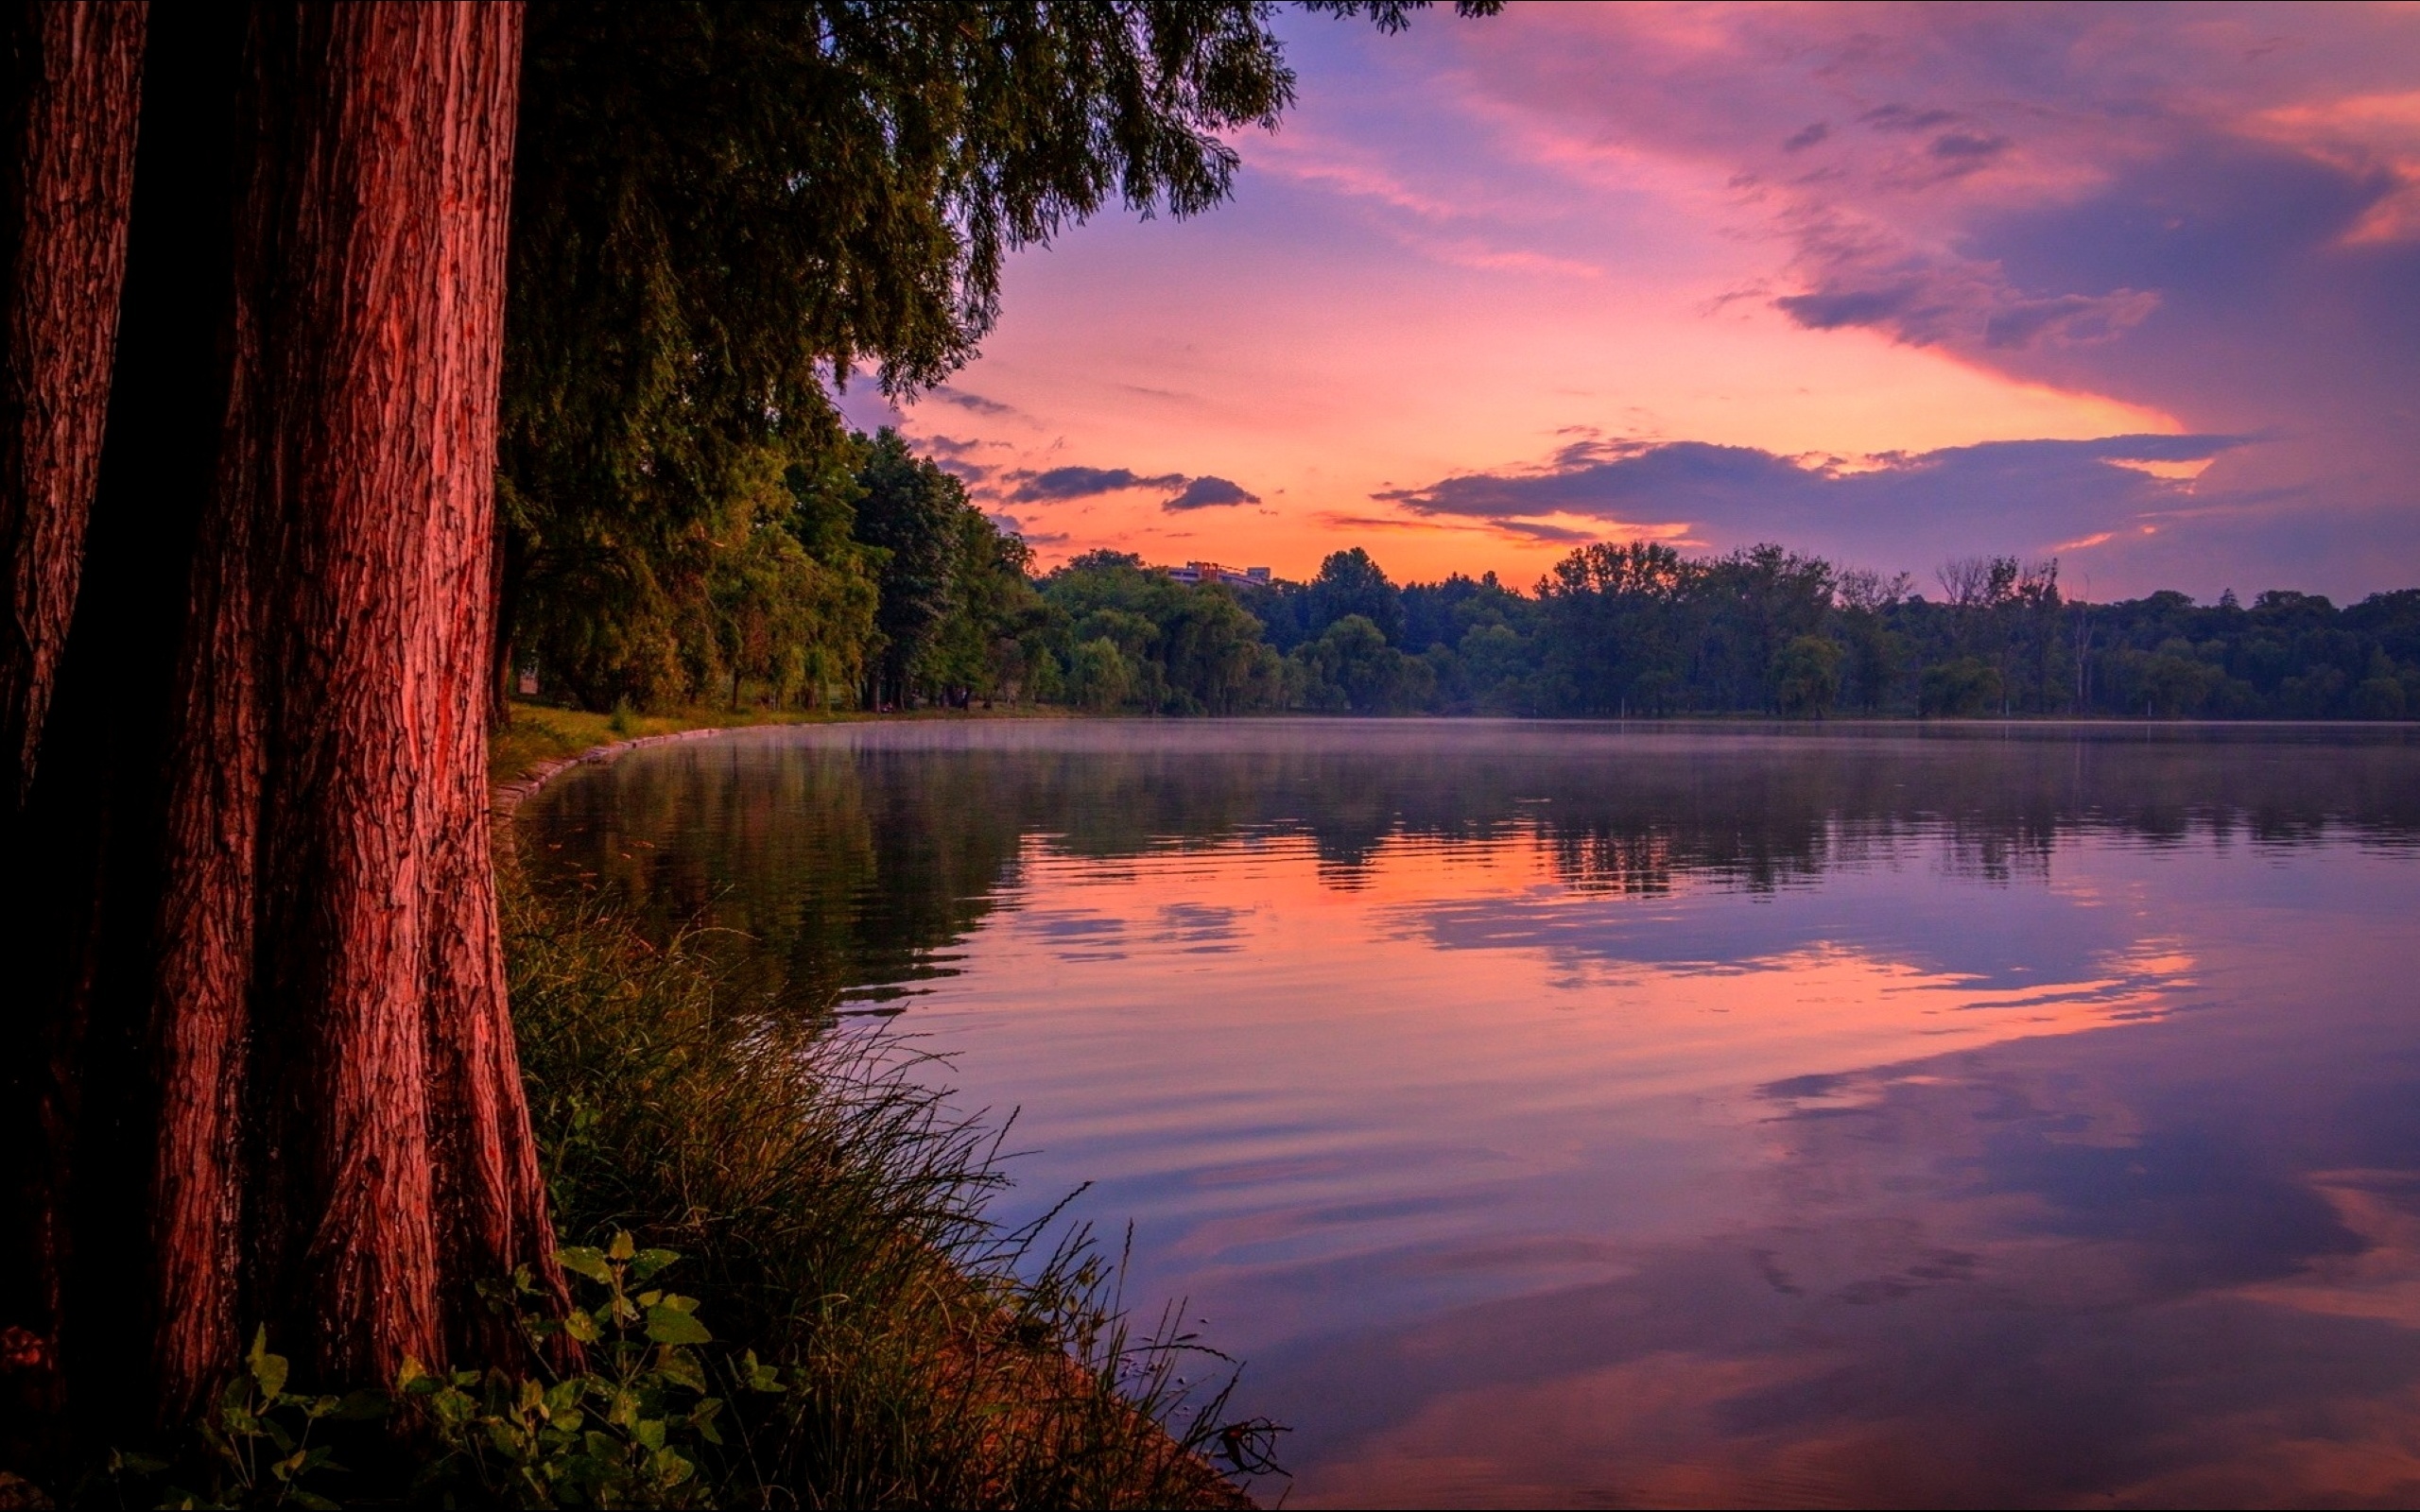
{"x": 870, "y": 580}
{"x": 863, "y": 1333}
{"x": 881, "y": 1340}
{"x": 830, "y": 1213}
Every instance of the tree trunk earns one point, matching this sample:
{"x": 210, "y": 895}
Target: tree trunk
{"x": 65, "y": 183}
{"x": 69, "y": 172}
{"x": 343, "y": 1147}
{"x": 278, "y": 1082}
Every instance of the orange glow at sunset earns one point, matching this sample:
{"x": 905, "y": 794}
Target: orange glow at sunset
{"x": 1857, "y": 238}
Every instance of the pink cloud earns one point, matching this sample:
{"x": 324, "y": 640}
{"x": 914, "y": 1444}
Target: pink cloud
{"x": 1795, "y": 230}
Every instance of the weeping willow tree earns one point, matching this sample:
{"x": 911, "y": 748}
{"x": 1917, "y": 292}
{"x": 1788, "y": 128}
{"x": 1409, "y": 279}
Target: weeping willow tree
{"x": 721, "y": 211}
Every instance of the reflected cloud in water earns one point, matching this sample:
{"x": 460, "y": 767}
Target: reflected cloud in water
{"x": 1571, "y": 1115}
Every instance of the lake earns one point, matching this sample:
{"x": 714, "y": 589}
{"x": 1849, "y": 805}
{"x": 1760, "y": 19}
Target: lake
{"x": 1585, "y": 1114}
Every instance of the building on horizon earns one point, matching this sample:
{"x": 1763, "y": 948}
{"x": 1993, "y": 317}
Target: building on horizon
{"x": 1211, "y": 571}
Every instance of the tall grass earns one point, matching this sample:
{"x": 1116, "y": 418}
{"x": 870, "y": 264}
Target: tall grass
{"x": 832, "y": 1213}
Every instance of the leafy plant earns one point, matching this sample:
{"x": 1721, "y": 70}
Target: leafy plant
{"x": 624, "y": 1429}
{"x": 257, "y": 1444}
{"x": 834, "y": 1208}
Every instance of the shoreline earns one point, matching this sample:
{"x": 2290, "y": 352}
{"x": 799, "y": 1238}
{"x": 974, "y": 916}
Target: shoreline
{"x": 1023, "y": 1389}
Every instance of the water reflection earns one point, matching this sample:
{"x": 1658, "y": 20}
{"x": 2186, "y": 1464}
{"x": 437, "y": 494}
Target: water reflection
{"x": 1567, "y": 1115}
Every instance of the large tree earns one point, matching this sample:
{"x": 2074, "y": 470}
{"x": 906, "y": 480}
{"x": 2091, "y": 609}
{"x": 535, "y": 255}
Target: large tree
{"x": 261, "y": 957}
{"x": 261, "y": 1069}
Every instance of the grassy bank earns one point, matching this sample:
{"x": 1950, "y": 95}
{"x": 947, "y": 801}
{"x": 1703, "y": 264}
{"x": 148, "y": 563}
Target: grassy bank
{"x": 540, "y": 733}
{"x": 830, "y": 1216}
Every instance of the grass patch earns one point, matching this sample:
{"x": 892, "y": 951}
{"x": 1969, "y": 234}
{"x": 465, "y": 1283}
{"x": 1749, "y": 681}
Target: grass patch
{"x": 831, "y": 1216}
{"x": 540, "y": 733}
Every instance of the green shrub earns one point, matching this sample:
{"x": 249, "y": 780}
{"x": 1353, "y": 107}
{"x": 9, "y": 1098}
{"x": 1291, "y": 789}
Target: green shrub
{"x": 834, "y": 1215}
{"x": 889, "y": 1345}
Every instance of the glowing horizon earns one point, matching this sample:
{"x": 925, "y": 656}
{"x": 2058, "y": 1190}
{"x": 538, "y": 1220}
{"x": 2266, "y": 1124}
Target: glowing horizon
{"x": 2137, "y": 288}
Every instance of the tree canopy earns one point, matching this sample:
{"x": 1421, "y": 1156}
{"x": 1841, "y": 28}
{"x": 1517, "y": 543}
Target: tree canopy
{"x": 721, "y": 211}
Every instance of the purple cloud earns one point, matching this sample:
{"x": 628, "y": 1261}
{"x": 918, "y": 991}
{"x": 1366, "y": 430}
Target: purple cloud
{"x": 1062, "y": 483}
{"x": 2034, "y": 497}
{"x": 1902, "y": 118}
{"x": 2210, "y": 213}
{"x": 975, "y": 402}
{"x": 1207, "y": 493}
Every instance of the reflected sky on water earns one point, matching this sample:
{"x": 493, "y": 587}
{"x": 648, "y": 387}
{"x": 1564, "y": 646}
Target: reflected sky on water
{"x": 1578, "y": 1115}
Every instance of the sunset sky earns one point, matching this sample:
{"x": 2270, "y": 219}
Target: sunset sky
{"x": 2138, "y": 287}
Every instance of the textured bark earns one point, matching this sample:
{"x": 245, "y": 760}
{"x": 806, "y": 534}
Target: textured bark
{"x": 69, "y": 174}
{"x": 273, "y": 1076}
{"x": 343, "y": 1147}
{"x": 74, "y": 1267}
{"x": 68, "y": 141}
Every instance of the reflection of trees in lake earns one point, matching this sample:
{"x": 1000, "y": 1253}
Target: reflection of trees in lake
{"x": 828, "y": 877}
{"x": 854, "y": 861}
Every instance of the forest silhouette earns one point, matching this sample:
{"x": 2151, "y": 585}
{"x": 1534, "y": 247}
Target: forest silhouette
{"x": 868, "y": 578}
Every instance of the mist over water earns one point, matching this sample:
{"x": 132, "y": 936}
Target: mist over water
{"x": 1580, "y": 1114}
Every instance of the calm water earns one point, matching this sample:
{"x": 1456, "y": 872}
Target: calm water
{"x": 1559, "y": 1114}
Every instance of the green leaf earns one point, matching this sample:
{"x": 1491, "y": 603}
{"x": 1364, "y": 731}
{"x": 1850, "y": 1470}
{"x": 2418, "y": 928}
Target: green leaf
{"x": 651, "y": 1261}
{"x": 668, "y": 1325}
{"x": 622, "y": 1246}
{"x": 649, "y": 1431}
{"x": 363, "y": 1406}
{"x": 411, "y": 1371}
{"x": 760, "y": 1377}
{"x": 671, "y": 1468}
{"x": 581, "y": 1325}
{"x": 680, "y": 1368}
{"x": 268, "y": 1370}
{"x": 582, "y": 1261}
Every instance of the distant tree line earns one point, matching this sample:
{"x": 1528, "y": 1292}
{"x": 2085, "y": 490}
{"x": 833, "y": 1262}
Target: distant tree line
{"x": 1640, "y": 629}
{"x": 867, "y": 577}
